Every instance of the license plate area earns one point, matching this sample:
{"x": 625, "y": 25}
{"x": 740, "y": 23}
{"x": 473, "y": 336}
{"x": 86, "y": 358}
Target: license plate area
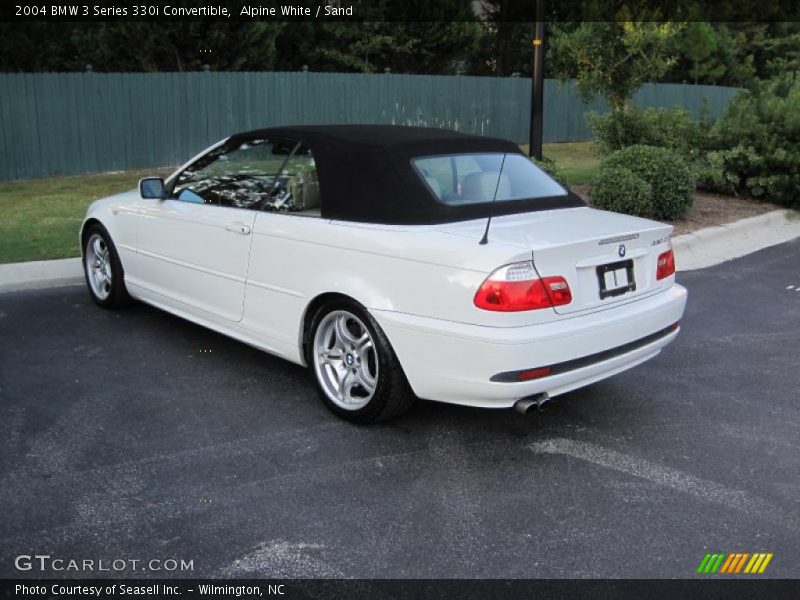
{"x": 616, "y": 278}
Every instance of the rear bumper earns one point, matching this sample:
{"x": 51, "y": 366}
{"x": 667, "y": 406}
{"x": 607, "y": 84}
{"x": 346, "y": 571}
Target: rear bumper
{"x": 455, "y": 362}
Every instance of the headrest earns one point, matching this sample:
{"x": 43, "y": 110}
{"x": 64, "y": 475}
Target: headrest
{"x": 481, "y": 186}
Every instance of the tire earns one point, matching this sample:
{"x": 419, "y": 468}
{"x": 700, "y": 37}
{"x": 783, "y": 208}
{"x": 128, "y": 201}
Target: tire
{"x": 102, "y": 269}
{"x": 356, "y": 372}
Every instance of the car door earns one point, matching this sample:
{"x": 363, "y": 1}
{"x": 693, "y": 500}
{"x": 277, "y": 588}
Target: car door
{"x": 194, "y": 246}
{"x": 280, "y": 256}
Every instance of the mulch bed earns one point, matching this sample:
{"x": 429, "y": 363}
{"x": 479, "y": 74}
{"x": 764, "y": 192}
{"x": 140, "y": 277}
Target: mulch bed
{"x": 708, "y": 210}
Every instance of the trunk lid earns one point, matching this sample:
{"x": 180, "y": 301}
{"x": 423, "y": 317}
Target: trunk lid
{"x": 607, "y": 258}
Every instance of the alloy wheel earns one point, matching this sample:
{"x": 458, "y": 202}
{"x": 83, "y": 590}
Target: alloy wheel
{"x": 345, "y": 360}
{"x": 98, "y": 266}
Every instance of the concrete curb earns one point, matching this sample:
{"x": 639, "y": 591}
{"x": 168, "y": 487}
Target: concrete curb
{"x": 40, "y": 274}
{"x": 696, "y": 250}
{"x": 713, "y": 245}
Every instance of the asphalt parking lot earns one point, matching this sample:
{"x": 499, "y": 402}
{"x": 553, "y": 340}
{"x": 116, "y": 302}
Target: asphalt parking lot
{"x": 137, "y": 435}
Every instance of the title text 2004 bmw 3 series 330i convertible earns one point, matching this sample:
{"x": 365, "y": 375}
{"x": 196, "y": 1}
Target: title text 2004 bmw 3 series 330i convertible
{"x": 368, "y": 254}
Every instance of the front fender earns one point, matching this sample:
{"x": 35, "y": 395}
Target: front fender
{"x": 117, "y": 214}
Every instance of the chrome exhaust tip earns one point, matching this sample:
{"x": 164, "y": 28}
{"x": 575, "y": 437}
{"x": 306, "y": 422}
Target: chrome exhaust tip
{"x": 525, "y": 406}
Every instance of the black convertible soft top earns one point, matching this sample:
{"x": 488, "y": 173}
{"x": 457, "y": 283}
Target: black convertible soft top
{"x": 365, "y": 172}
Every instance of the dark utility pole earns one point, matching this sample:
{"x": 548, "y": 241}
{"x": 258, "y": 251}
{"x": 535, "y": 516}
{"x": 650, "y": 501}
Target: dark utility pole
{"x": 537, "y": 85}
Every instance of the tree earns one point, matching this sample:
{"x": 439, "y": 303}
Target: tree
{"x": 615, "y": 59}
{"x": 423, "y": 37}
{"x": 699, "y": 43}
{"x": 412, "y": 47}
{"x": 713, "y": 54}
{"x": 36, "y": 47}
{"x": 164, "y": 46}
{"x": 505, "y": 47}
{"x": 781, "y": 53}
{"x": 139, "y": 46}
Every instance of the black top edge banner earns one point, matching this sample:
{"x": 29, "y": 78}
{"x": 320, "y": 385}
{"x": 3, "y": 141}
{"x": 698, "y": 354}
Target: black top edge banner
{"x": 414, "y": 589}
{"x": 523, "y": 11}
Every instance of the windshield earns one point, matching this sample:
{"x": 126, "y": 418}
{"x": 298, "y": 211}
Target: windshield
{"x": 461, "y": 179}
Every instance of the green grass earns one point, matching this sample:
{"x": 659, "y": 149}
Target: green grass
{"x": 41, "y": 217}
{"x": 578, "y": 161}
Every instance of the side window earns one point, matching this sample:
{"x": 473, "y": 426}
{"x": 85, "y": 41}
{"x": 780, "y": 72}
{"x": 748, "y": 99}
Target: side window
{"x": 297, "y": 187}
{"x": 237, "y": 174}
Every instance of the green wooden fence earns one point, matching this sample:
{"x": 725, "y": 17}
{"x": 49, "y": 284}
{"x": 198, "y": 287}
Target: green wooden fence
{"x": 68, "y": 123}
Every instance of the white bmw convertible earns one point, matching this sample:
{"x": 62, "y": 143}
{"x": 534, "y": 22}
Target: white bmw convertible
{"x": 395, "y": 262}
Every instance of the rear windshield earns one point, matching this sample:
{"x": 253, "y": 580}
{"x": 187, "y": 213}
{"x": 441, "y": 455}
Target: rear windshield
{"x": 462, "y": 179}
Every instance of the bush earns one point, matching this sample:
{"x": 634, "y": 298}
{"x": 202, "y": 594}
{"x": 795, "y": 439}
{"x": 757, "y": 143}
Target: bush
{"x": 620, "y": 190}
{"x": 712, "y": 175}
{"x": 672, "y": 182}
{"x": 667, "y": 128}
{"x": 757, "y": 144}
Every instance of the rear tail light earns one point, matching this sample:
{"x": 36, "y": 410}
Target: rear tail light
{"x": 516, "y": 287}
{"x": 666, "y": 264}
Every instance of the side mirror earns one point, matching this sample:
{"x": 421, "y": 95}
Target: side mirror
{"x": 153, "y": 188}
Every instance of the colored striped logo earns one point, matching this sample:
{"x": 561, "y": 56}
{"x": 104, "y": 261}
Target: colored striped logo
{"x": 732, "y": 563}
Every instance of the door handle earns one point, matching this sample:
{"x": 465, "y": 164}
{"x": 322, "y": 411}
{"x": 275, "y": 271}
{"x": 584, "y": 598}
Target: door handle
{"x": 238, "y": 227}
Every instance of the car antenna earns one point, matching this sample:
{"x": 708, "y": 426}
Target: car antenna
{"x": 485, "y": 238}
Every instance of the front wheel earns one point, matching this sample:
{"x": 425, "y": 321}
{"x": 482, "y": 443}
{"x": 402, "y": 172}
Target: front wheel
{"x": 103, "y": 269}
{"x": 357, "y": 373}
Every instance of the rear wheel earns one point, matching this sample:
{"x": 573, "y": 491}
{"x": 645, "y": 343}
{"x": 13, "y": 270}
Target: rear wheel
{"x": 357, "y": 373}
{"x": 103, "y": 269}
